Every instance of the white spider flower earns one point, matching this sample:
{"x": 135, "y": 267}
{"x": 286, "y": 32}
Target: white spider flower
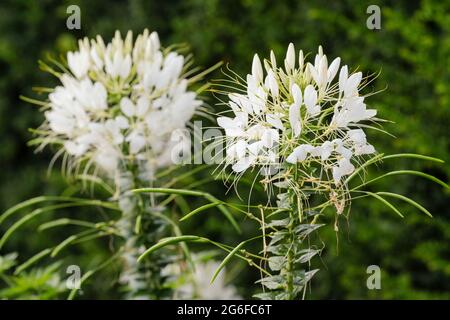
{"x": 299, "y": 115}
{"x": 120, "y": 101}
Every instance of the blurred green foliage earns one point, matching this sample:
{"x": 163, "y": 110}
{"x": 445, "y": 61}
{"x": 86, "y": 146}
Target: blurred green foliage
{"x": 411, "y": 52}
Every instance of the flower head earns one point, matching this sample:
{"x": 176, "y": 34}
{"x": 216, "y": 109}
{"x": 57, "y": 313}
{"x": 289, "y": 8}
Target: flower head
{"x": 302, "y": 114}
{"x": 119, "y": 102}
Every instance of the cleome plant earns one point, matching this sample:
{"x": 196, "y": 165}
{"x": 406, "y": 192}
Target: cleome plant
{"x": 113, "y": 120}
{"x": 299, "y": 129}
{"x": 296, "y": 132}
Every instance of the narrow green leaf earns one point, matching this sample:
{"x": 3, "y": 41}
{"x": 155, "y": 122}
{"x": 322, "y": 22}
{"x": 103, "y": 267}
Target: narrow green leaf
{"x": 77, "y": 238}
{"x": 364, "y": 165}
{"x": 413, "y": 155}
{"x": 88, "y": 274}
{"x": 17, "y": 225}
{"x": 39, "y": 211}
{"x": 168, "y": 241}
{"x": 387, "y": 203}
{"x": 200, "y": 209}
{"x": 64, "y": 222}
{"x": 32, "y": 260}
{"x": 170, "y": 191}
{"x": 29, "y": 203}
{"x": 406, "y": 172}
{"x": 186, "y": 192}
{"x": 72, "y": 202}
{"x": 182, "y": 204}
{"x": 227, "y": 259}
{"x": 406, "y": 199}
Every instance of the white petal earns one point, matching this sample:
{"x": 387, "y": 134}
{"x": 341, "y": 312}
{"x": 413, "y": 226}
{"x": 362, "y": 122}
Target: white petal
{"x": 142, "y": 106}
{"x": 241, "y": 147}
{"x": 289, "y": 62}
{"x": 272, "y": 83}
{"x": 275, "y": 121}
{"x": 337, "y": 174}
{"x": 333, "y": 69}
{"x": 225, "y": 122}
{"x": 137, "y": 142}
{"x": 313, "y": 71}
{"x": 351, "y": 86}
{"x": 323, "y": 71}
{"x": 297, "y": 94}
{"x": 300, "y": 153}
{"x": 292, "y": 158}
{"x": 270, "y": 137}
{"x": 255, "y": 148}
{"x": 325, "y": 150}
{"x": 343, "y": 75}
{"x": 345, "y": 167}
{"x": 273, "y": 59}
{"x": 127, "y": 107}
{"x": 357, "y": 136}
{"x": 125, "y": 67}
{"x": 242, "y": 164}
{"x": 257, "y": 70}
{"x": 311, "y": 100}
{"x": 294, "y": 119}
{"x": 122, "y": 122}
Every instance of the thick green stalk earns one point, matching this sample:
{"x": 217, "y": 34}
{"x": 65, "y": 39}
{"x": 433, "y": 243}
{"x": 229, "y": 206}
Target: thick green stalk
{"x": 140, "y": 228}
{"x": 290, "y": 260}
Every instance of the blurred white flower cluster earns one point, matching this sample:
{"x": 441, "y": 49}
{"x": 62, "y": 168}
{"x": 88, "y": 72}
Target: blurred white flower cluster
{"x": 297, "y": 114}
{"x": 120, "y": 102}
{"x": 197, "y": 285}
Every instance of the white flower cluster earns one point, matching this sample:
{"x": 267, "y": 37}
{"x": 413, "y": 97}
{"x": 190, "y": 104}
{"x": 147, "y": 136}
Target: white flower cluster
{"x": 197, "y": 285}
{"x": 297, "y": 114}
{"x": 120, "y": 101}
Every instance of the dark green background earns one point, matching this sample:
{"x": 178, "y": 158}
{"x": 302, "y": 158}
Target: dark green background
{"x": 412, "y": 51}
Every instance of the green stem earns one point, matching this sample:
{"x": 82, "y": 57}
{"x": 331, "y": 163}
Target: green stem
{"x": 290, "y": 259}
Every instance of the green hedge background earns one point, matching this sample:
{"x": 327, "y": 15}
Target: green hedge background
{"x": 412, "y": 51}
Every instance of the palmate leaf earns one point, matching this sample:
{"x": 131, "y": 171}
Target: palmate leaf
{"x": 271, "y": 295}
{"x": 276, "y": 262}
{"x": 307, "y": 255}
{"x": 272, "y": 282}
{"x": 304, "y": 230}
